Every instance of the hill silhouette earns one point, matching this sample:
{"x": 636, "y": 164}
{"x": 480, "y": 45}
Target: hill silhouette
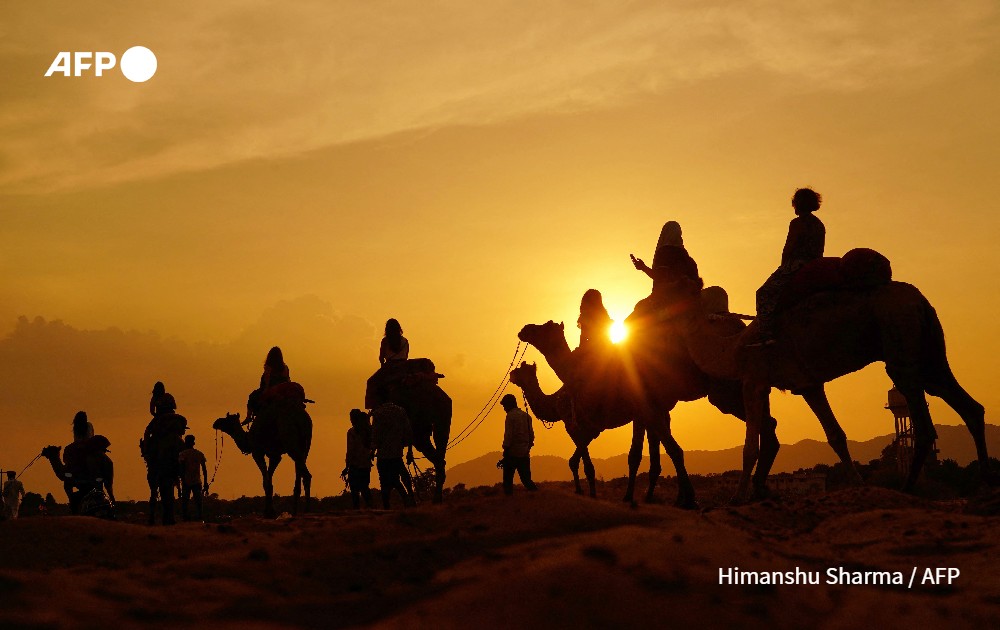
{"x": 954, "y": 442}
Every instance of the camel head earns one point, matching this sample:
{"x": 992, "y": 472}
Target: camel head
{"x": 524, "y": 374}
{"x": 51, "y": 452}
{"x": 229, "y": 424}
{"x": 547, "y": 337}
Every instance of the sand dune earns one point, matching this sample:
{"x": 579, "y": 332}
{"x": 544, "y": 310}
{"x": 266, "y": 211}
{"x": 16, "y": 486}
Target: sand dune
{"x": 549, "y": 559}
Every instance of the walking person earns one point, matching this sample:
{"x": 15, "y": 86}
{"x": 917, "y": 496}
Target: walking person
{"x": 391, "y": 433}
{"x": 194, "y": 476}
{"x": 358, "y": 463}
{"x": 13, "y": 492}
{"x": 518, "y": 438}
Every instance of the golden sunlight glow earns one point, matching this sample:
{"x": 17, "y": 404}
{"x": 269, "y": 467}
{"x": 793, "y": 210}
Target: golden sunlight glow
{"x": 618, "y": 332}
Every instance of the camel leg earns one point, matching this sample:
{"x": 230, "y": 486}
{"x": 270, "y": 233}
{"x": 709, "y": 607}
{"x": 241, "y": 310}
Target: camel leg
{"x": 574, "y": 467}
{"x": 268, "y": 487}
{"x": 923, "y": 432}
{"x": 654, "y": 464}
{"x": 816, "y": 399}
{"x": 442, "y": 434}
{"x": 302, "y": 477}
{"x": 973, "y": 415}
{"x": 588, "y": 470}
{"x": 756, "y": 400}
{"x": 685, "y": 491}
{"x": 152, "y": 497}
{"x": 634, "y": 459}
{"x": 167, "y": 501}
{"x": 436, "y": 457}
{"x": 769, "y": 447}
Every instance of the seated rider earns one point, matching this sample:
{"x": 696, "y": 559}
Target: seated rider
{"x": 394, "y": 346}
{"x": 805, "y": 242}
{"x": 594, "y": 322}
{"x": 671, "y": 262}
{"x": 275, "y": 373}
{"x": 165, "y": 420}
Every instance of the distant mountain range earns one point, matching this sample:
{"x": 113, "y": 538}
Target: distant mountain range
{"x": 954, "y": 442}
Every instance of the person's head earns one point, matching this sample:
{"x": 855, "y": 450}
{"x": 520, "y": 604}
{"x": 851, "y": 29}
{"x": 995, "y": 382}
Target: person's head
{"x": 159, "y": 389}
{"x": 189, "y": 441}
{"x": 274, "y": 358}
{"x": 358, "y": 418}
{"x": 10, "y": 474}
{"x": 806, "y": 201}
{"x": 508, "y": 402}
{"x": 591, "y": 299}
{"x": 670, "y": 235}
{"x": 392, "y": 328}
{"x": 80, "y": 420}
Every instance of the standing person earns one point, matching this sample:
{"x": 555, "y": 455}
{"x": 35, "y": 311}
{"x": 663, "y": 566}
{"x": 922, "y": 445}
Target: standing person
{"x": 805, "y": 242}
{"x": 394, "y": 346}
{"x": 13, "y": 492}
{"x": 193, "y": 471}
{"x": 391, "y": 433}
{"x": 359, "y": 458}
{"x": 518, "y": 438}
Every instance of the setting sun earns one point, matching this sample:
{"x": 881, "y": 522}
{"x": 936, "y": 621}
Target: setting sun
{"x": 618, "y": 332}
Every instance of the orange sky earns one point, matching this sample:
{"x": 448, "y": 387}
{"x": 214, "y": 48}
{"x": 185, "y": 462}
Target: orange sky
{"x": 294, "y": 175}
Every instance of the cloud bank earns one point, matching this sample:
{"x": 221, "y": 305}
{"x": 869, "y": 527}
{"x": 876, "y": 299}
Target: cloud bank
{"x": 240, "y": 81}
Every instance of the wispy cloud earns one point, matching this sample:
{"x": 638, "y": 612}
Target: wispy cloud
{"x": 240, "y": 80}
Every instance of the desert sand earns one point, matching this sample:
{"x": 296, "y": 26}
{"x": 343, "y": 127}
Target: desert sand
{"x": 546, "y": 559}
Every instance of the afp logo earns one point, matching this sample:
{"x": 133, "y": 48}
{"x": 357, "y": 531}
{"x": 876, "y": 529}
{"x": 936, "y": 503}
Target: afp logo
{"x": 138, "y": 64}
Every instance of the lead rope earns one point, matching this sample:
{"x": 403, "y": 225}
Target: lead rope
{"x": 218, "y": 456}
{"x": 28, "y": 466}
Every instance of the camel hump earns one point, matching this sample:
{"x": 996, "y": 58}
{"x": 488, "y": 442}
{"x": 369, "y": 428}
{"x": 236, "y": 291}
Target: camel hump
{"x": 286, "y": 391}
{"x": 864, "y": 267}
{"x": 422, "y": 366}
{"x": 714, "y": 300}
{"x": 860, "y": 268}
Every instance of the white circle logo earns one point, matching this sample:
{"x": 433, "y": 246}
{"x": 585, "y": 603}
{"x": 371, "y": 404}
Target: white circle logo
{"x": 138, "y": 64}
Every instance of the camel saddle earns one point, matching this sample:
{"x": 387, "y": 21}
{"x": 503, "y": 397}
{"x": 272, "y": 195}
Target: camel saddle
{"x": 406, "y": 373}
{"x": 290, "y": 392}
{"x": 77, "y": 454}
{"x": 859, "y": 268}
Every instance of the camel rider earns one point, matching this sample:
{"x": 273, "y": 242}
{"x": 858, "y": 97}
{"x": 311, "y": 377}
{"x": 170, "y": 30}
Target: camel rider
{"x": 805, "y": 242}
{"x": 394, "y": 346}
{"x": 671, "y": 262}
{"x": 165, "y": 420}
{"x": 594, "y": 322}
{"x": 161, "y": 402}
{"x": 275, "y": 373}
{"x": 393, "y": 352}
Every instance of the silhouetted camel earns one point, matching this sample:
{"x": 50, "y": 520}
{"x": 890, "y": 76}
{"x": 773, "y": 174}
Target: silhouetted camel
{"x": 161, "y": 446}
{"x": 824, "y": 337}
{"x": 640, "y": 381}
{"x": 282, "y": 428}
{"x": 559, "y": 407}
{"x": 413, "y": 385}
{"x": 92, "y": 471}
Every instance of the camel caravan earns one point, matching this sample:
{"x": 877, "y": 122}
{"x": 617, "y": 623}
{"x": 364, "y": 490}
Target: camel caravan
{"x": 818, "y": 318}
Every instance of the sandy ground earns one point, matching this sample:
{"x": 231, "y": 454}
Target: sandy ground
{"x": 548, "y": 559}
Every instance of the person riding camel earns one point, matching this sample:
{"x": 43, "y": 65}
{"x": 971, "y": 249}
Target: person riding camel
{"x": 160, "y": 402}
{"x": 275, "y": 373}
{"x": 805, "y": 242}
{"x": 671, "y": 261}
{"x": 594, "y": 322}
{"x": 393, "y": 353}
{"x": 394, "y": 346}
